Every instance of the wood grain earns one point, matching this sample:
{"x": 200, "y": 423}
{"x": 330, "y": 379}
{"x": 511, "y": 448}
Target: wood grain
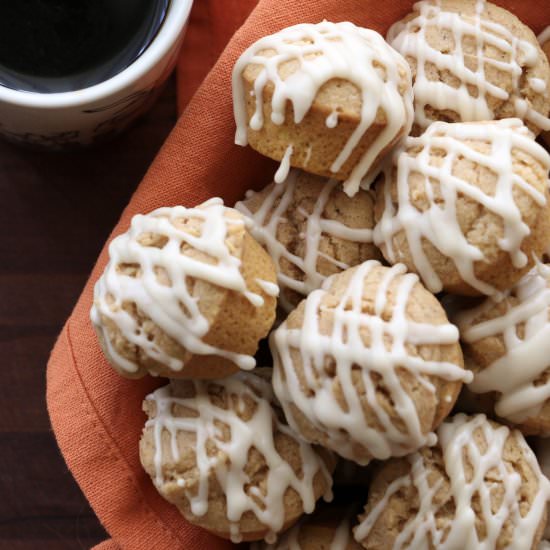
{"x": 56, "y": 212}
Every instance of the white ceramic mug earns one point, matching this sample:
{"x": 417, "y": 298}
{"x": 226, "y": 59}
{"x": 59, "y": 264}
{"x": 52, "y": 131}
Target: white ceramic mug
{"x": 83, "y": 117}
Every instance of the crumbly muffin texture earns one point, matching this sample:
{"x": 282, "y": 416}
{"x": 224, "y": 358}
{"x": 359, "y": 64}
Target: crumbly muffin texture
{"x": 368, "y": 365}
{"x": 330, "y": 98}
{"x": 311, "y": 229}
{"x": 466, "y": 206}
{"x": 471, "y": 61}
{"x": 187, "y": 292}
{"x": 508, "y": 342}
{"x": 222, "y": 453}
{"x": 479, "y": 487}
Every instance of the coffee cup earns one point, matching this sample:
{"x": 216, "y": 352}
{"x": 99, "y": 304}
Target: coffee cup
{"x": 94, "y": 113}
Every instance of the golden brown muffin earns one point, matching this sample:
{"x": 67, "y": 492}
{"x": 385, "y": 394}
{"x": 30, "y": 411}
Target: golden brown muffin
{"x": 187, "y": 293}
{"x": 330, "y": 98}
{"x": 369, "y": 365}
{"x": 507, "y": 339}
{"x": 472, "y": 60}
{"x": 328, "y": 528}
{"x": 311, "y": 229}
{"x": 466, "y": 206}
{"x": 479, "y": 487}
{"x": 222, "y": 453}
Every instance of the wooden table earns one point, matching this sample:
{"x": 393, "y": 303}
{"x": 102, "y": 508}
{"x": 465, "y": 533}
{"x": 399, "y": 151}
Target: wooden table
{"x": 56, "y": 212}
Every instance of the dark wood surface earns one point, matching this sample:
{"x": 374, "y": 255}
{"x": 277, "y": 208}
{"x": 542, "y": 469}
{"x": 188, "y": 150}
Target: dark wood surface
{"x": 56, "y": 210}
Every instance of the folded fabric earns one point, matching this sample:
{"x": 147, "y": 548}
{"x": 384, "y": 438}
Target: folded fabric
{"x": 211, "y": 25}
{"x": 96, "y": 415}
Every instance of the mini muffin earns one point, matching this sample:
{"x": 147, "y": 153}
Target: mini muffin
{"x": 466, "y": 206}
{"x": 507, "y": 341}
{"x": 330, "y": 98}
{"x": 368, "y": 365}
{"x": 311, "y": 229}
{"x": 328, "y": 528}
{"x": 479, "y": 487}
{"x": 187, "y": 293}
{"x": 470, "y": 61}
{"x": 222, "y": 453}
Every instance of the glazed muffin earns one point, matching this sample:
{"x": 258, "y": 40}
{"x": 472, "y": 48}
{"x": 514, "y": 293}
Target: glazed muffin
{"x": 368, "y": 365}
{"x": 311, "y": 229}
{"x": 328, "y": 528}
{"x": 472, "y": 61}
{"x": 187, "y": 293}
{"x": 466, "y": 206}
{"x": 507, "y": 342}
{"x": 330, "y": 98}
{"x": 221, "y": 452}
{"x": 479, "y": 487}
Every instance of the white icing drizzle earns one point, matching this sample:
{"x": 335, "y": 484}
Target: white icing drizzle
{"x": 308, "y": 155}
{"x": 544, "y": 36}
{"x": 538, "y": 84}
{"x": 345, "y": 348}
{"x": 284, "y": 167}
{"x": 438, "y": 224}
{"x": 518, "y": 396}
{"x": 456, "y": 437}
{"x": 327, "y": 51}
{"x": 332, "y": 120}
{"x": 515, "y": 54}
{"x": 170, "y": 306}
{"x": 264, "y": 230}
{"x": 265, "y": 502}
{"x": 271, "y": 289}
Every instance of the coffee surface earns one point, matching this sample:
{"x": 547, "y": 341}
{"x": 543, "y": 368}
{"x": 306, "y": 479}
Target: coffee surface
{"x": 63, "y": 45}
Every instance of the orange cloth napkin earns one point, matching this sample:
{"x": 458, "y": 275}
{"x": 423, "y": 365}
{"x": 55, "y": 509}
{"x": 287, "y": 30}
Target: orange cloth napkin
{"x": 96, "y": 415}
{"x": 211, "y": 25}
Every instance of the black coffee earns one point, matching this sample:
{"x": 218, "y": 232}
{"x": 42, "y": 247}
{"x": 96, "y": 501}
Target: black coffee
{"x": 64, "y": 45}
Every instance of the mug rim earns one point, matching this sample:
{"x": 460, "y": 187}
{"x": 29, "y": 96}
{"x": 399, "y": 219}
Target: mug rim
{"x": 175, "y": 20}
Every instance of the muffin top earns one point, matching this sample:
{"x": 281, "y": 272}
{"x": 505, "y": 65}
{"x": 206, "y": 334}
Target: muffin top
{"x": 463, "y": 205}
{"x": 479, "y": 487}
{"x": 172, "y": 270}
{"x": 508, "y": 341}
{"x": 311, "y": 229}
{"x": 173, "y": 267}
{"x": 368, "y": 365}
{"x": 222, "y": 451}
{"x": 338, "y": 67}
{"x": 472, "y": 60}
